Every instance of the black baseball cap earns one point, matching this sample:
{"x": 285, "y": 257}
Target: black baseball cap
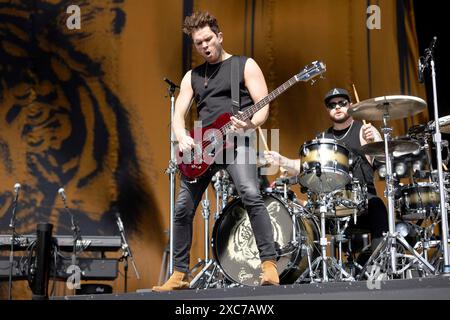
{"x": 336, "y": 92}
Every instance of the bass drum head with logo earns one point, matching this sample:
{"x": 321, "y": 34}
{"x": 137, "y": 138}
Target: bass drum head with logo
{"x": 235, "y": 250}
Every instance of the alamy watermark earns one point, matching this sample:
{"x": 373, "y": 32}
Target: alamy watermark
{"x": 375, "y": 277}
{"x": 74, "y": 280}
{"x": 74, "y": 20}
{"x": 374, "y": 19}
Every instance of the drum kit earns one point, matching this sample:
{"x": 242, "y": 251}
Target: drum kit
{"x": 305, "y": 254}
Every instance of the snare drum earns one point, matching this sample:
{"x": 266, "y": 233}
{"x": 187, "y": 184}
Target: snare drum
{"x": 325, "y": 165}
{"x": 419, "y": 201}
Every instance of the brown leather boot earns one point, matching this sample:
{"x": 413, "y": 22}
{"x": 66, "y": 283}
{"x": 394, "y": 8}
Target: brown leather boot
{"x": 270, "y": 273}
{"x": 177, "y": 281}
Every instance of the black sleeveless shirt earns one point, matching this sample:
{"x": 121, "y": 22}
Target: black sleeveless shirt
{"x": 215, "y": 99}
{"x": 361, "y": 168}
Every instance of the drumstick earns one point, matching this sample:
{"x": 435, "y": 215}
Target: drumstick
{"x": 263, "y": 139}
{"x": 283, "y": 170}
{"x": 357, "y": 98}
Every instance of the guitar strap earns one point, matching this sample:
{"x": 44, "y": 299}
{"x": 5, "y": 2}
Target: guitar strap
{"x": 235, "y": 99}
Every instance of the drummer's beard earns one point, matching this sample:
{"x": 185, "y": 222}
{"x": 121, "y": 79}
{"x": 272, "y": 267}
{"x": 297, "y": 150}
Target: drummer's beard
{"x": 339, "y": 119}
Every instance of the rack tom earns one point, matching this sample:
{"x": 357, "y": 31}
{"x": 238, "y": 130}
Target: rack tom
{"x": 325, "y": 165}
{"x": 419, "y": 201}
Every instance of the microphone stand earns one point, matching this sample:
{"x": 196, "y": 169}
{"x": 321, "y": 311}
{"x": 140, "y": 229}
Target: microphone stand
{"x": 424, "y": 62}
{"x": 75, "y": 233}
{"x": 12, "y": 225}
{"x": 171, "y": 170}
{"x": 126, "y": 252}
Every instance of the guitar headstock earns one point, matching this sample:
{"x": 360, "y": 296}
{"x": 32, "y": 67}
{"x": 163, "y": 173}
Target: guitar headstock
{"x": 311, "y": 71}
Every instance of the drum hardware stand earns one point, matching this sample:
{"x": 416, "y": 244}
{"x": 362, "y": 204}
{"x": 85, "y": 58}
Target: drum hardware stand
{"x": 385, "y": 255}
{"x": 205, "y": 214}
{"x": 425, "y": 238}
{"x": 323, "y": 259}
{"x": 221, "y": 186}
{"x": 219, "y": 195}
{"x": 126, "y": 253}
{"x": 424, "y": 62}
{"x": 211, "y": 274}
{"x": 164, "y": 270}
{"x": 12, "y": 226}
{"x": 340, "y": 238}
{"x": 208, "y": 277}
{"x": 171, "y": 170}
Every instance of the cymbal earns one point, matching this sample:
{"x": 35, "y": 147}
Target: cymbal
{"x": 396, "y": 147}
{"x": 396, "y": 106}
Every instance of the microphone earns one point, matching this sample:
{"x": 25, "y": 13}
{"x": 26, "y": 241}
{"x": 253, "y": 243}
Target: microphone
{"x": 17, "y": 187}
{"x": 421, "y": 68}
{"x": 62, "y": 194}
{"x": 119, "y": 222}
{"x": 423, "y": 61}
{"x": 432, "y": 45}
{"x": 171, "y": 83}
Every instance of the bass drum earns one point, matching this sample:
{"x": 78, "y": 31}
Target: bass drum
{"x": 235, "y": 250}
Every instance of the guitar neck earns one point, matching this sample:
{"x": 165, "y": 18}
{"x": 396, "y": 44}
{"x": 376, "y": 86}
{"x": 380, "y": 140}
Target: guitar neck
{"x": 314, "y": 69}
{"x": 249, "y": 112}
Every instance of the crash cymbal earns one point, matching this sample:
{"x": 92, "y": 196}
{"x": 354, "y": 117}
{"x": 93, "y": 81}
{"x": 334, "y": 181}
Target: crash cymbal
{"x": 397, "y": 107}
{"x": 396, "y": 147}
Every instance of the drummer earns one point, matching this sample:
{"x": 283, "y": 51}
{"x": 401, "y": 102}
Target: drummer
{"x": 353, "y": 134}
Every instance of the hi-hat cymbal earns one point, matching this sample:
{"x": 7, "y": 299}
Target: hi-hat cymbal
{"x": 396, "y": 107}
{"x": 396, "y": 147}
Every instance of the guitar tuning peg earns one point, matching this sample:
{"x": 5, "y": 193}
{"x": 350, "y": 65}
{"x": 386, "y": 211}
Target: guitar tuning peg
{"x": 322, "y": 76}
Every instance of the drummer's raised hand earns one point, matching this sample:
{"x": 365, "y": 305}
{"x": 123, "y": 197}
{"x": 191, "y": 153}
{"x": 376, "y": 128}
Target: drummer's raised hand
{"x": 368, "y": 132}
{"x": 273, "y": 158}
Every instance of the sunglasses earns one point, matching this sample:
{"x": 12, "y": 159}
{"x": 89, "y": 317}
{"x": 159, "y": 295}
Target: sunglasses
{"x": 333, "y": 105}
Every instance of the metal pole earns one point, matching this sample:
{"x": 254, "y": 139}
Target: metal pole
{"x": 172, "y": 180}
{"x": 390, "y": 192}
{"x": 442, "y": 195}
{"x": 171, "y": 170}
{"x": 206, "y": 213}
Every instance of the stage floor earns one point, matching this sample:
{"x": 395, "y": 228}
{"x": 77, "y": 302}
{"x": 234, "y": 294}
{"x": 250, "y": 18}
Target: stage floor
{"x": 436, "y": 288}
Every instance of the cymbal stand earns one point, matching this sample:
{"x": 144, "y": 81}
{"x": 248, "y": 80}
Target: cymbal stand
{"x": 171, "y": 170}
{"x": 428, "y": 61}
{"x": 385, "y": 255}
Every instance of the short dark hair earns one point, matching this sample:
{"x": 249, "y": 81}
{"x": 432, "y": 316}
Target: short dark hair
{"x": 198, "y": 20}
